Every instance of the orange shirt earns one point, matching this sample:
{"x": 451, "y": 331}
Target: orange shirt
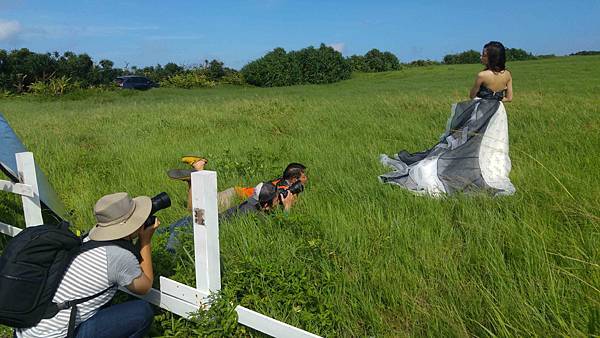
{"x": 245, "y": 192}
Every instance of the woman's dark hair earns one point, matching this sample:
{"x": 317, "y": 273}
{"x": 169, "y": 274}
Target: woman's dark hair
{"x": 293, "y": 170}
{"x": 496, "y": 56}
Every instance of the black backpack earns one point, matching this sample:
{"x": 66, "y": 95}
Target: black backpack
{"x": 31, "y": 269}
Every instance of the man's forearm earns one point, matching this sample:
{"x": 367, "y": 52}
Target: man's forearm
{"x": 146, "y": 263}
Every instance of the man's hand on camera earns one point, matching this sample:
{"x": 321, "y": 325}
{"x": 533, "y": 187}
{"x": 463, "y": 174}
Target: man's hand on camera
{"x": 288, "y": 201}
{"x": 142, "y": 284}
{"x": 145, "y": 234}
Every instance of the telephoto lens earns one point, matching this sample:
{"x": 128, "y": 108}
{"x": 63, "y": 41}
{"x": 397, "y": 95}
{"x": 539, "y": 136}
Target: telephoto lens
{"x": 295, "y": 189}
{"x": 159, "y": 202}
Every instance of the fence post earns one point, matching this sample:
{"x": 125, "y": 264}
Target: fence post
{"x": 205, "y": 216}
{"x": 31, "y": 205}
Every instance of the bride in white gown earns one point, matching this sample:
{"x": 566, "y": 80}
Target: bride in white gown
{"x": 472, "y": 154}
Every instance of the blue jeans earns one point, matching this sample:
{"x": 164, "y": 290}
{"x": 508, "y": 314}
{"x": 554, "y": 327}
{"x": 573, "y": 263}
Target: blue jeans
{"x": 131, "y": 319}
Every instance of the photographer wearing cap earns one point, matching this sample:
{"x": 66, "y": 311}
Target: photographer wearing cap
{"x": 265, "y": 198}
{"x": 96, "y": 273}
{"x": 293, "y": 173}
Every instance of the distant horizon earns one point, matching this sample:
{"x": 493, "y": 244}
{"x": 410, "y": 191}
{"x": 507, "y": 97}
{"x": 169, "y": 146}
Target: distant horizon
{"x": 138, "y": 66}
{"x": 237, "y": 32}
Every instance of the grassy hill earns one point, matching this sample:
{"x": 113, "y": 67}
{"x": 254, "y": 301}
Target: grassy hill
{"x": 355, "y": 257}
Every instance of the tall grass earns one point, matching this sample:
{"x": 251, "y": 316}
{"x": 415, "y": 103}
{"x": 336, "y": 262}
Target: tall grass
{"x": 357, "y": 258}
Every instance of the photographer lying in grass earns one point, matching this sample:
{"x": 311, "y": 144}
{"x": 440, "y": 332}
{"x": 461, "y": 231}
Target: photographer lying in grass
{"x": 293, "y": 178}
{"x": 264, "y": 197}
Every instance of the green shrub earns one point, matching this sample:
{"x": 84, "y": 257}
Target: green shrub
{"x": 272, "y": 70}
{"x": 215, "y": 70}
{"x": 473, "y": 56}
{"x": 322, "y": 65}
{"x": 358, "y": 64}
{"x": 306, "y": 66}
{"x": 39, "y": 88}
{"x": 188, "y": 80}
{"x": 375, "y": 61}
{"x": 422, "y": 63}
{"x": 54, "y": 87}
{"x": 234, "y": 78}
{"x": 470, "y": 56}
{"x": 159, "y": 73}
{"x": 586, "y": 52}
{"x": 518, "y": 54}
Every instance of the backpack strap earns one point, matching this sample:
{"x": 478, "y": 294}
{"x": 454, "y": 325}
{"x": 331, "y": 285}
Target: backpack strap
{"x": 72, "y": 304}
{"x": 123, "y": 243}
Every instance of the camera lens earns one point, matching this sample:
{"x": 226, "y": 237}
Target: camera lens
{"x": 160, "y": 201}
{"x": 297, "y": 188}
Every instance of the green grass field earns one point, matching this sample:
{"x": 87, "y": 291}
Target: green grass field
{"x": 355, "y": 257}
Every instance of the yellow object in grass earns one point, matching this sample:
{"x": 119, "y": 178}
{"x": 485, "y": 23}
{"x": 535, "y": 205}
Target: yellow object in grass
{"x": 191, "y": 159}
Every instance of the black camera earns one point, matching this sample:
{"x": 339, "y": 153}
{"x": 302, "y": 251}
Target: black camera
{"x": 295, "y": 189}
{"x": 159, "y": 202}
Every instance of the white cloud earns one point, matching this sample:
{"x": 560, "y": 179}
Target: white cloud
{"x": 338, "y": 46}
{"x": 115, "y": 30}
{"x": 73, "y": 31}
{"x": 175, "y": 37}
{"x": 9, "y": 29}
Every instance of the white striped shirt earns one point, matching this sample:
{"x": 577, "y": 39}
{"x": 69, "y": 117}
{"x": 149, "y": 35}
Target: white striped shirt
{"x": 89, "y": 273}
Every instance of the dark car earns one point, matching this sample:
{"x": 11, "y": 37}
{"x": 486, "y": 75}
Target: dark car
{"x": 135, "y": 82}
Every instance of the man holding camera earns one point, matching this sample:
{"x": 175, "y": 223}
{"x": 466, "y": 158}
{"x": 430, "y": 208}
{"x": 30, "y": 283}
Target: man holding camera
{"x": 293, "y": 179}
{"x": 99, "y": 271}
{"x": 265, "y": 197}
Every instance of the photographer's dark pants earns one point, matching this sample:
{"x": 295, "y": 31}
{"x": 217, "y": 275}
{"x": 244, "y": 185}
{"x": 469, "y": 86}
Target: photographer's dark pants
{"x": 131, "y": 319}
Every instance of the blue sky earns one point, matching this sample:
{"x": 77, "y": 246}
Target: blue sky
{"x": 236, "y": 32}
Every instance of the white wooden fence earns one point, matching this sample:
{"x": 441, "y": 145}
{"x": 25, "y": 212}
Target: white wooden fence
{"x": 28, "y": 189}
{"x": 173, "y": 296}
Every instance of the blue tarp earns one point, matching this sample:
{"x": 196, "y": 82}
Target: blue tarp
{"x": 10, "y": 144}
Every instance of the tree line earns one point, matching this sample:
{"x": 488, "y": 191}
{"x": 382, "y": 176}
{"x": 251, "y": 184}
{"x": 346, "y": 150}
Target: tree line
{"x": 473, "y": 56}
{"x": 24, "y": 71}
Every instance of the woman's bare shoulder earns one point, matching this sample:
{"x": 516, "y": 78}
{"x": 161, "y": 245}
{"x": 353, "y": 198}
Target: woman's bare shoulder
{"x": 484, "y": 74}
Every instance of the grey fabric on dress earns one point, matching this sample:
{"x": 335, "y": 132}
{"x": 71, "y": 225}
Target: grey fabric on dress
{"x": 454, "y": 164}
